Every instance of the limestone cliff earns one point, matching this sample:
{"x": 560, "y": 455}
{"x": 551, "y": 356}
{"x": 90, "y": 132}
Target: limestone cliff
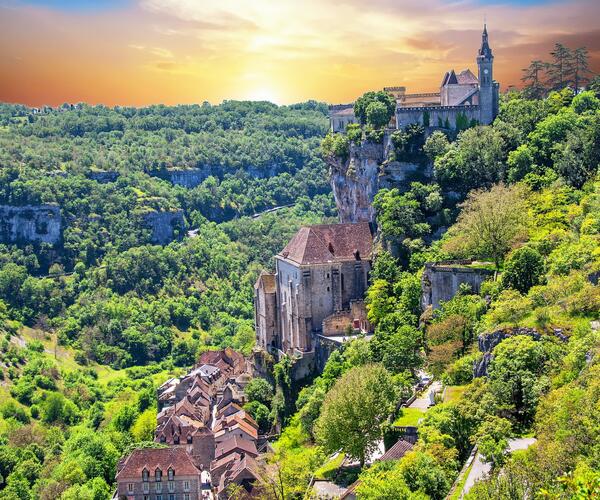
{"x": 165, "y": 226}
{"x": 30, "y": 224}
{"x": 356, "y": 180}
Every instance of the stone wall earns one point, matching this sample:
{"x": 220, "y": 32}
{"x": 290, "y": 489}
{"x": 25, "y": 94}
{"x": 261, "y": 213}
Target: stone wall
{"x": 30, "y": 224}
{"x": 437, "y": 115}
{"x": 441, "y": 281}
{"x": 165, "y": 226}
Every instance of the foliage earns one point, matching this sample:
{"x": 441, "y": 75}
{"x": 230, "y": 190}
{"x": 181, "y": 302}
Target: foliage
{"x": 362, "y": 104}
{"x": 355, "y": 410}
{"x": 523, "y": 269}
{"x": 490, "y": 223}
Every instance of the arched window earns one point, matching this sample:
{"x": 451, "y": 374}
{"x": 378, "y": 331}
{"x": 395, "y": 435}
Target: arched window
{"x": 145, "y": 475}
{"x": 171, "y": 474}
{"x": 158, "y": 475}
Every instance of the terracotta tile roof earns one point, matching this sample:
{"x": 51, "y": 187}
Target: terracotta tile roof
{"x": 330, "y": 243}
{"x": 151, "y": 458}
{"x": 235, "y": 444}
{"x": 397, "y": 451}
{"x": 227, "y": 407}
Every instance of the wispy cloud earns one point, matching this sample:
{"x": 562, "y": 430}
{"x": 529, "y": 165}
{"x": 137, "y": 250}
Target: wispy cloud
{"x": 137, "y": 52}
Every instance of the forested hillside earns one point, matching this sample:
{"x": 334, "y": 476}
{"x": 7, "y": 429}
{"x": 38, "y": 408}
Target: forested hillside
{"x": 94, "y": 323}
{"x": 127, "y": 302}
{"x": 524, "y": 196}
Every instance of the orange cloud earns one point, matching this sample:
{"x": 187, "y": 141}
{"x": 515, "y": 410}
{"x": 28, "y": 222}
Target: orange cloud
{"x": 177, "y": 51}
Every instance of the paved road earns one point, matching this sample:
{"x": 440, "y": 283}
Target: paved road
{"x": 481, "y": 469}
{"x": 423, "y": 402}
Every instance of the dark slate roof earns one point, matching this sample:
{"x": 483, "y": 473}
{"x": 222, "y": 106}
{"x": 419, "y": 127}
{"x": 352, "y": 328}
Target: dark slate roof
{"x": 329, "y": 243}
{"x": 466, "y": 77}
{"x": 397, "y": 451}
{"x": 163, "y": 458}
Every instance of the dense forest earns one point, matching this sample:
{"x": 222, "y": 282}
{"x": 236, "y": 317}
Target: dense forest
{"x": 91, "y": 326}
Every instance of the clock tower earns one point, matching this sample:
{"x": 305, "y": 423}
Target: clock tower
{"x": 488, "y": 88}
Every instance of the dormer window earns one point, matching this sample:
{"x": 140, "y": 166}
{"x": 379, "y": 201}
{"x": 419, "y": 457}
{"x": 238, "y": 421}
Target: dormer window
{"x": 145, "y": 475}
{"x": 158, "y": 475}
{"x": 171, "y": 474}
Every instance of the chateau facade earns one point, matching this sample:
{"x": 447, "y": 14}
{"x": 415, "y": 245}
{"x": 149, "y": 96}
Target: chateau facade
{"x": 463, "y": 97}
{"x": 321, "y": 276}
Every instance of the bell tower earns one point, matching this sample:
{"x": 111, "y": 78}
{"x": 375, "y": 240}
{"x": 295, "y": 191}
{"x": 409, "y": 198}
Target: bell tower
{"x": 488, "y": 89}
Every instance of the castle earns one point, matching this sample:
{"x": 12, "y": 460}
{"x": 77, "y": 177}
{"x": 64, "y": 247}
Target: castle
{"x": 462, "y": 97}
{"x": 317, "y": 290}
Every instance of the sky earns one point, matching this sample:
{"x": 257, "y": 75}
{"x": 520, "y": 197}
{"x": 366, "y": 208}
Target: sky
{"x": 140, "y": 52}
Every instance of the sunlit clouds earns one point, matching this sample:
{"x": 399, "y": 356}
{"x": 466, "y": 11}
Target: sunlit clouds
{"x": 182, "y": 51}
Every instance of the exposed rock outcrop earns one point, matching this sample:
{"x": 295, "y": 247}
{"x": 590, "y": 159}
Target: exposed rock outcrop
{"x": 356, "y": 180}
{"x": 104, "y": 177}
{"x": 165, "y": 226}
{"x": 30, "y": 224}
{"x": 488, "y": 341}
{"x": 189, "y": 178}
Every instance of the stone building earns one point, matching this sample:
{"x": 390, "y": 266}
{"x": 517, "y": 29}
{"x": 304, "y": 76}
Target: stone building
{"x": 159, "y": 473}
{"x": 463, "y": 99}
{"x": 321, "y": 271}
{"x": 442, "y": 280}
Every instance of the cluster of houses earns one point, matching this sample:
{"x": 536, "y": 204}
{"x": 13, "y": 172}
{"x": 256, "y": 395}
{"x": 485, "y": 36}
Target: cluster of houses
{"x": 211, "y": 442}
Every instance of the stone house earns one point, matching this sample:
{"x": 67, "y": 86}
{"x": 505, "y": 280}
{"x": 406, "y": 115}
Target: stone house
{"x": 321, "y": 271}
{"x": 160, "y": 474}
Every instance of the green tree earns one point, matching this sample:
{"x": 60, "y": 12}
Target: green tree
{"x": 355, "y": 410}
{"x": 258, "y": 389}
{"x": 143, "y": 428}
{"x": 532, "y": 78}
{"x": 492, "y": 440}
{"x": 523, "y": 269}
{"x": 384, "y": 481}
{"x": 490, "y": 223}
{"x": 362, "y": 103}
{"x": 377, "y": 114}
{"x": 560, "y": 71}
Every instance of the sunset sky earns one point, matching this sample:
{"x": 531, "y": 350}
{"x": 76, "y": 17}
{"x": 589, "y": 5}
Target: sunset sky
{"x": 138, "y": 52}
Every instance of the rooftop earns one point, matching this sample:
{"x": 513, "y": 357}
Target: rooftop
{"x": 163, "y": 458}
{"x": 330, "y": 243}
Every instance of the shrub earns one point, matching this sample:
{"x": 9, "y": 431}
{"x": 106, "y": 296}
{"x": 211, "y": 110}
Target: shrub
{"x": 523, "y": 269}
{"x": 461, "y": 371}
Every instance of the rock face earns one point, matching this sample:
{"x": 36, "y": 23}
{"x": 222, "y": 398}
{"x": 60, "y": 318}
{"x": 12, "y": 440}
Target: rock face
{"x": 165, "y": 226}
{"x": 104, "y": 177}
{"x": 355, "y": 181}
{"x": 189, "y": 178}
{"x": 441, "y": 281}
{"x": 30, "y": 224}
{"x": 488, "y": 341}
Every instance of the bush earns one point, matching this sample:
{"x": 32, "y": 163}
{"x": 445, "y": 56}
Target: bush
{"x": 523, "y": 269}
{"x": 461, "y": 371}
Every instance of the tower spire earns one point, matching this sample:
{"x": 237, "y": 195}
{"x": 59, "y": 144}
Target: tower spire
{"x": 485, "y": 50}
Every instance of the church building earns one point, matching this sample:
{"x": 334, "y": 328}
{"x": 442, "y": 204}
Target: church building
{"x": 318, "y": 287}
{"x": 463, "y": 97}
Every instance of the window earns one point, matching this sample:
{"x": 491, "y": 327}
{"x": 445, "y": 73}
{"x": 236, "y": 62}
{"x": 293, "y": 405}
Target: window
{"x": 171, "y": 497}
{"x": 171, "y": 486}
{"x": 145, "y": 475}
{"x": 186, "y": 496}
{"x": 158, "y": 497}
{"x": 158, "y": 475}
{"x": 186, "y": 486}
{"x": 171, "y": 474}
{"x": 130, "y": 487}
{"x": 158, "y": 487}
